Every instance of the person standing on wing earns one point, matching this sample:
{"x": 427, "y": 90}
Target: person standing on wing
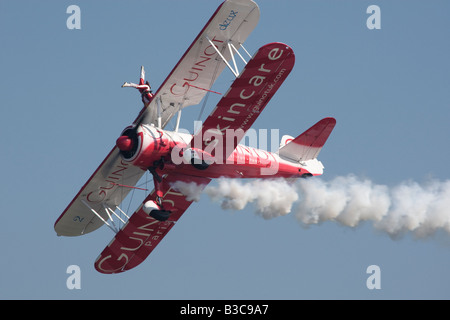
{"x": 144, "y": 88}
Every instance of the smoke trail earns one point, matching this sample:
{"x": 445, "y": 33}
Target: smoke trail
{"x": 271, "y": 198}
{"x": 407, "y": 207}
{"x": 347, "y": 200}
{"x": 191, "y": 190}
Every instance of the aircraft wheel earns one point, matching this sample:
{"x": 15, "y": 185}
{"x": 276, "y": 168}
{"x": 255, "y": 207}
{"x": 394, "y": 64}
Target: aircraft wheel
{"x": 160, "y": 215}
{"x": 155, "y": 211}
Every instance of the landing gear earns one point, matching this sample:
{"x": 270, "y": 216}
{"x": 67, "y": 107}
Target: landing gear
{"x": 155, "y": 209}
{"x": 160, "y": 215}
{"x": 157, "y": 179}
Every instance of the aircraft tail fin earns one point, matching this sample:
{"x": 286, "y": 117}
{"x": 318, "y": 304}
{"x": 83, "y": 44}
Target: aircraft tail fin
{"x": 285, "y": 140}
{"x": 307, "y": 145}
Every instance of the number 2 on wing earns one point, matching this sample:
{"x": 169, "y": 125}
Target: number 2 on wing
{"x": 78, "y": 218}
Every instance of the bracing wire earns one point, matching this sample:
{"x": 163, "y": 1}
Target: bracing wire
{"x": 213, "y": 79}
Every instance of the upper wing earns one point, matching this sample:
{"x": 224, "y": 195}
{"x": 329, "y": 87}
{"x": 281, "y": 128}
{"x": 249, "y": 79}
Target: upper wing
{"x": 142, "y": 233}
{"x": 308, "y": 145}
{"x": 104, "y": 188}
{"x": 241, "y": 105}
{"x": 200, "y": 66}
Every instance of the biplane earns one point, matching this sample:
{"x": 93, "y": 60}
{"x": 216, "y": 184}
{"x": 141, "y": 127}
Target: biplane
{"x": 211, "y": 152}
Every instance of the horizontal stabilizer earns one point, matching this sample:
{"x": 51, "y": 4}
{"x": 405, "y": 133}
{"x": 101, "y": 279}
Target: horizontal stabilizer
{"x": 308, "y": 145}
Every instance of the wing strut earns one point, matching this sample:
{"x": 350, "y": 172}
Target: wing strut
{"x": 99, "y": 216}
{"x": 231, "y": 48}
{"x": 158, "y": 104}
{"x": 108, "y": 211}
{"x": 178, "y": 120}
{"x": 244, "y": 50}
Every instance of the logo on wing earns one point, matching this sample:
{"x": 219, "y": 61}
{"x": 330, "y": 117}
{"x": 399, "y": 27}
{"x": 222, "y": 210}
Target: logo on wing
{"x": 224, "y": 25}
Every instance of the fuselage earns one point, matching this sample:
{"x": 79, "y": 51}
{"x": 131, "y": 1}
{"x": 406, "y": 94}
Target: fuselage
{"x": 169, "y": 151}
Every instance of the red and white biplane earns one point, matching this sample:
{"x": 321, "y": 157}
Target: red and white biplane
{"x": 212, "y": 152}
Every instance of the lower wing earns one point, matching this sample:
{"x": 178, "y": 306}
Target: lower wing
{"x": 142, "y": 233}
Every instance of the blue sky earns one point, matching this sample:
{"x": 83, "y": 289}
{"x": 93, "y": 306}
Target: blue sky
{"x": 62, "y": 109}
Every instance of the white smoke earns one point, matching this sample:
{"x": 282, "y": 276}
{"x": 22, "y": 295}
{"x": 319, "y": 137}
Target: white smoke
{"x": 408, "y": 207}
{"x": 191, "y": 190}
{"x": 271, "y": 198}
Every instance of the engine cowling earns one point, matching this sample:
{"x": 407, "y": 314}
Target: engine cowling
{"x": 143, "y": 145}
